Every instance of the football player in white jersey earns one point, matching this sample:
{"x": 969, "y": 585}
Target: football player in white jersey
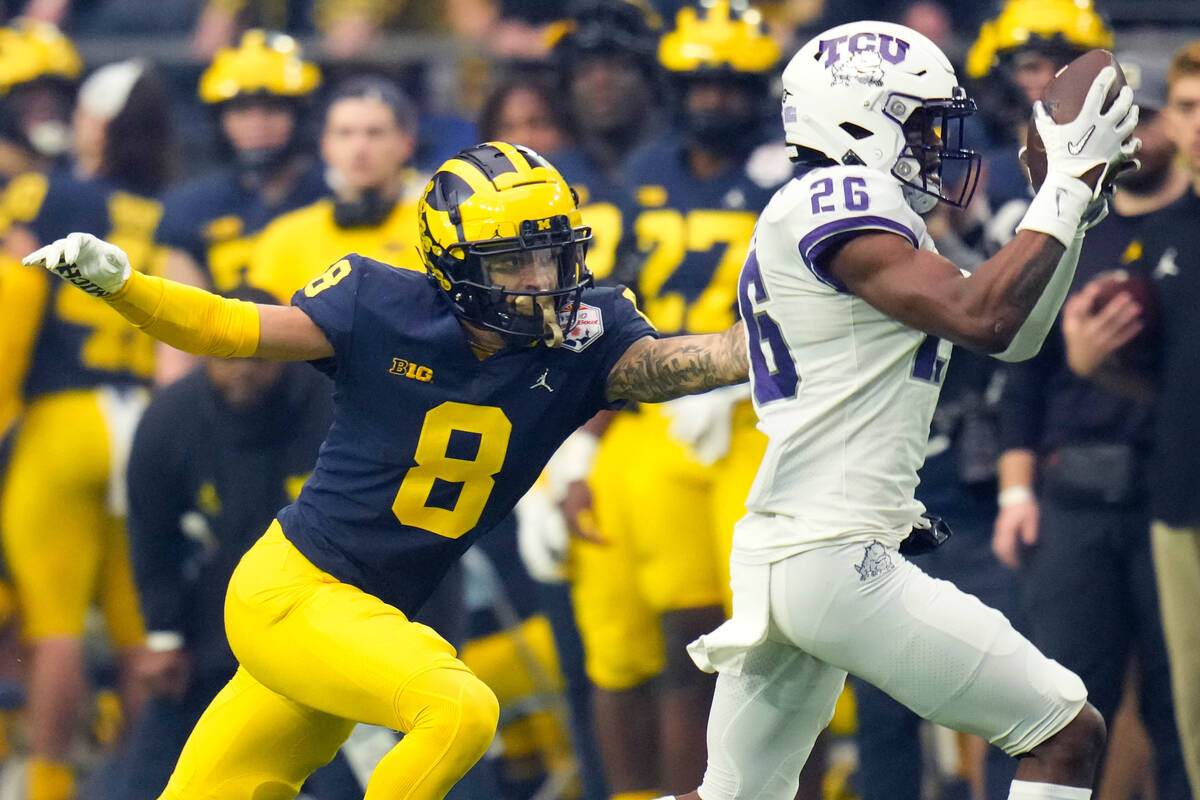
{"x": 850, "y": 315}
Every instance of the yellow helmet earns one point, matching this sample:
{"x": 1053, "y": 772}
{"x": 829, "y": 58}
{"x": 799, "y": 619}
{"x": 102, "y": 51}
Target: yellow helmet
{"x": 30, "y": 50}
{"x": 264, "y": 63}
{"x": 1071, "y": 24}
{"x": 720, "y": 40}
{"x": 498, "y": 199}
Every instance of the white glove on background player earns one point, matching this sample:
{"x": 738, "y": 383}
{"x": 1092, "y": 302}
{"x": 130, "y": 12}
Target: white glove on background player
{"x": 542, "y": 535}
{"x": 703, "y": 423}
{"x": 92, "y": 264}
{"x": 542, "y": 529}
{"x": 1094, "y": 138}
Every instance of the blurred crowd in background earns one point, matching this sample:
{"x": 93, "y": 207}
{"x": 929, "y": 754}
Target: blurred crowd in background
{"x": 245, "y": 145}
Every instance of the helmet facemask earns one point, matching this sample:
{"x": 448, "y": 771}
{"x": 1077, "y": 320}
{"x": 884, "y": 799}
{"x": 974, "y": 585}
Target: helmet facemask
{"x": 503, "y": 239}
{"x": 528, "y": 286}
{"x": 933, "y": 164}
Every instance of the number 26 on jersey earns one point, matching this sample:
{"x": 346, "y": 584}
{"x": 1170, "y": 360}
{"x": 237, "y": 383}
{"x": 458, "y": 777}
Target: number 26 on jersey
{"x": 852, "y": 196}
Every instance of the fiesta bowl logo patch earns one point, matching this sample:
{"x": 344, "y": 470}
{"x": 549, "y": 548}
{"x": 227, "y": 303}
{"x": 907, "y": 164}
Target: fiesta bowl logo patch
{"x": 589, "y": 325}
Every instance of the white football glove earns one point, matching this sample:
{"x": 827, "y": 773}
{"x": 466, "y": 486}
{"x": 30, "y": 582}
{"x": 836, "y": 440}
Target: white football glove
{"x": 92, "y": 264}
{"x": 1093, "y": 138}
{"x": 542, "y": 535}
{"x": 1097, "y": 210}
{"x": 572, "y": 462}
{"x": 703, "y": 423}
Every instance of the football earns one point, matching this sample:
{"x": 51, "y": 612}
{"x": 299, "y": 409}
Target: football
{"x": 1063, "y": 99}
{"x": 1116, "y": 281}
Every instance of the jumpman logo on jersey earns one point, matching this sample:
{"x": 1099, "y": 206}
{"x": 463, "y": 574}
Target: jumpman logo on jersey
{"x": 541, "y": 381}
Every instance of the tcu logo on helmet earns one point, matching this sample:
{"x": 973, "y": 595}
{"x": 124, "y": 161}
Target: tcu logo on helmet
{"x": 863, "y": 67}
{"x": 886, "y": 47}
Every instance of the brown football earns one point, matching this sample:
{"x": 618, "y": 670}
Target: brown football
{"x": 1063, "y": 99}
{"x": 1138, "y": 287}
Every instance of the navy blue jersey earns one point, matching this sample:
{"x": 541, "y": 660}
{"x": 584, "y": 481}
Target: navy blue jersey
{"x": 599, "y": 205}
{"x": 80, "y": 341}
{"x": 585, "y": 176}
{"x": 430, "y": 446}
{"x": 214, "y": 219}
{"x": 51, "y": 204}
{"x": 688, "y": 236}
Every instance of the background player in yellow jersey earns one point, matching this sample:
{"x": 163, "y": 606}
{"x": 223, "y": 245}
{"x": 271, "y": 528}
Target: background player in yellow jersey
{"x": 452, "y": 392}
{"x": 82, "y": 379}
{"x": 368, "y": 140}
{"x": 665, "y": 508}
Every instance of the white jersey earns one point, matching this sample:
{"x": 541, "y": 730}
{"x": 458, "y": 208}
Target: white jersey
{"x": 844, "y": 393}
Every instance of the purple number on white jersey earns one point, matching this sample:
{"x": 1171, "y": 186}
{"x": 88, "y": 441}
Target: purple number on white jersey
{"x": 771, "y": 382}
{"x": 854, "y": 195}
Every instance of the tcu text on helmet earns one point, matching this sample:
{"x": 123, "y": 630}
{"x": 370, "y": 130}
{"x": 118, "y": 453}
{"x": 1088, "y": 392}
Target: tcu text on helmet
{"x": 890, "y": 48}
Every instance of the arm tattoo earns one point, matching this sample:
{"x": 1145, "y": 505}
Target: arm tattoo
{"x": 1026, "y": 289}
{"x": 655, "y": 370}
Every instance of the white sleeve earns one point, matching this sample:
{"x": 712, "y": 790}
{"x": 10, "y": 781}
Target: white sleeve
{"x": 1028, "y": 339}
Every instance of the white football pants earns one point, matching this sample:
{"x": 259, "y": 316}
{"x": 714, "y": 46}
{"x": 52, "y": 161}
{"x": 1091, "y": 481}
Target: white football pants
{"x": 863, "y": 609}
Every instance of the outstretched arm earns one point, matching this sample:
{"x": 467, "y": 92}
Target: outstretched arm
{"x": 656, "y": 370}
{"x": 184, "y": 317}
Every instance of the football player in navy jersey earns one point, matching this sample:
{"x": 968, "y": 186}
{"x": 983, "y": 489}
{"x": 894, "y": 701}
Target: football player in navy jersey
{"x": 605, "y": 60}
{"x": 451, "y": 393}
{"x": 607, "y": 70}
{"x": 259, "y": 90}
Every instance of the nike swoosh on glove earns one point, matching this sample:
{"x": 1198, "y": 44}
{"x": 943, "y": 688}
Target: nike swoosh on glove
{"x": 1094, "y": 138}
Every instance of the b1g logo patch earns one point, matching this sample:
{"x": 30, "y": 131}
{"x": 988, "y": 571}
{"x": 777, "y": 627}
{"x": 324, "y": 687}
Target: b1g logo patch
{"x": 589, "y": 326}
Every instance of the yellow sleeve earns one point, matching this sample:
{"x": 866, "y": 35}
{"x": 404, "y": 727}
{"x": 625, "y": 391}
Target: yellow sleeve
{"x": 188, "y": 318}
{"x": 23, "y": 293}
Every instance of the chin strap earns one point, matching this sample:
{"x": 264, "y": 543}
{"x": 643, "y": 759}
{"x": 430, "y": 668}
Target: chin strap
{"x": 552, "y": 335}
{"x": 919, "y": 201}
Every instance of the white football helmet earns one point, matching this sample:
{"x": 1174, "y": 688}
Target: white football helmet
{"x": 882, "y": 95}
